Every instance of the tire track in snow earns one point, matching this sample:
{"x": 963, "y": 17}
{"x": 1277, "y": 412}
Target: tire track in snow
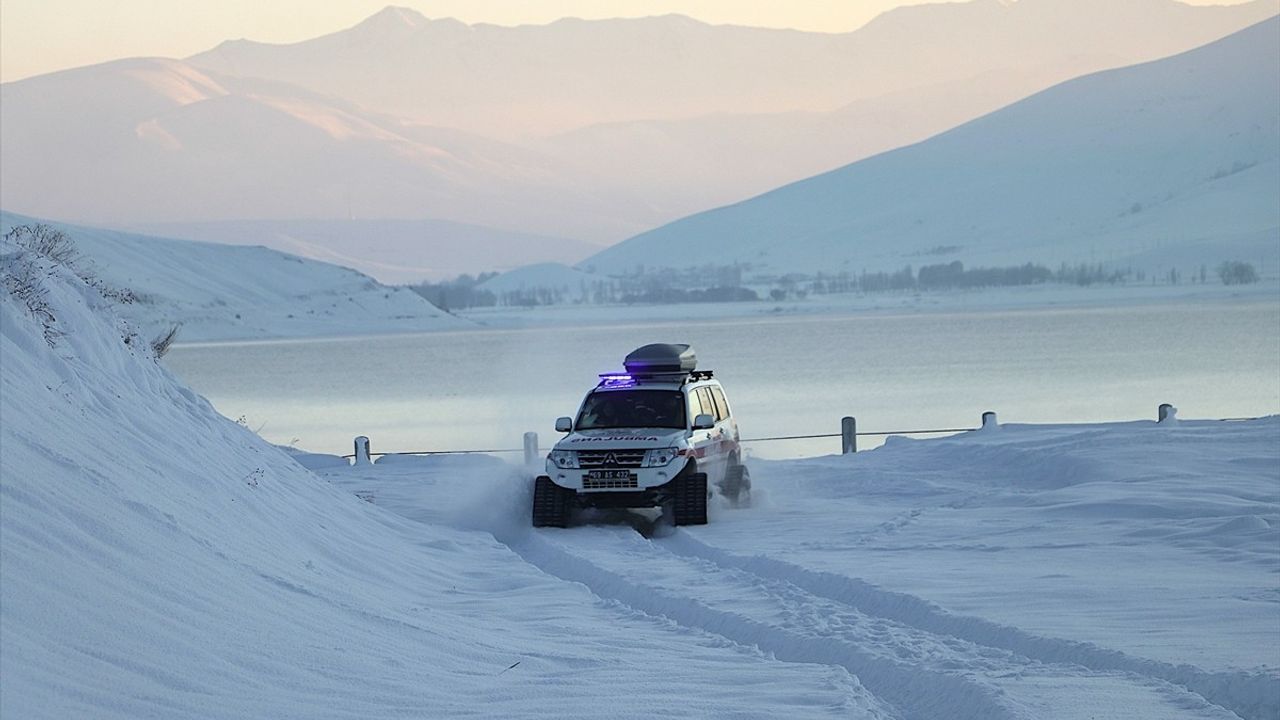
{"x": 917, "y": 692}
{"x": 1253, "y": 696}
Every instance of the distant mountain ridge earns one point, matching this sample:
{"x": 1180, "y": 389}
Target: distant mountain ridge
{"x": 513, "y": 82}
{"x": 548, "y": 141}
{"x": 1183, "y": 153}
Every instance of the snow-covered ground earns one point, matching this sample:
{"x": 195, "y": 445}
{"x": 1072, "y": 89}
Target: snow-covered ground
{"x": 159, "y": 560}
{"x": 1079, "y": 571}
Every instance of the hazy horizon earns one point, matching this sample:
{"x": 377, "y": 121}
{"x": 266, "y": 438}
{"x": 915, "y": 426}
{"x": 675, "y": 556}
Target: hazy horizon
{"x": 37, "y": 38}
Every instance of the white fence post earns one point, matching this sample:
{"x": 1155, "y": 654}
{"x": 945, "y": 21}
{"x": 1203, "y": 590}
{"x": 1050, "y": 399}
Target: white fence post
{"x": 530, "y": 448}
{"x": 848, "y": 435}
{"x": 362, "y": 451}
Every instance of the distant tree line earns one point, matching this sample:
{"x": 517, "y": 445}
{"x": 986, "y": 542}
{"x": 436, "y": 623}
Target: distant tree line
{"x": 1235, "y": 272}
{"x": 944, "y": 276}
{"x": 459, "y": 293}
{"x": 1085, "y": 274}
{"x": 645, "y": 277}
{"x": 725, "y": 283}
{"x": 680, "y": 295}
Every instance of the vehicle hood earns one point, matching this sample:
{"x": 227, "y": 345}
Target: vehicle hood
{"x": 615, "y": 439}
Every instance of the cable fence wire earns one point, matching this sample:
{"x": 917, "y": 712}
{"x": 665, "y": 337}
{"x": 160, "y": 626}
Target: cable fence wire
{"x": 867, "y": 434}
{"x": 818, "y": 436}
{"x": 772, "y": 438}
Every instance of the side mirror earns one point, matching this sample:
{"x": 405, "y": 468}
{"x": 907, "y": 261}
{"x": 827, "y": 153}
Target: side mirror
{"x": 564, "y": 424}
{"x": 704, "y": 422}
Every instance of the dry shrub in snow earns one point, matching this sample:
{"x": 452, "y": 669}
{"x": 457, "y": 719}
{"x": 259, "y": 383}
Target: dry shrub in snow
{"x": 58, "y": 248}
{"x": 24, "y": 277}
{"x": 160, "y": 345}
{"x": 29, "y": 257}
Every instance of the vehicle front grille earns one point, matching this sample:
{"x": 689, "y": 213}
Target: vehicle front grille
{"x": 592, "y": 459}
{"x": 628, "y": 484}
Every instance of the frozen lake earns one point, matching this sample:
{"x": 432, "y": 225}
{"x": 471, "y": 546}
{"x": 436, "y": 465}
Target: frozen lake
{"x": 482, "y": 389}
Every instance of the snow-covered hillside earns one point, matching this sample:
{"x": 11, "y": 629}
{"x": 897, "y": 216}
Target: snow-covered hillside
{"x": 158, "y": 560}
{"x": 222, "y": 292}
{"x": 1175, "y": 158}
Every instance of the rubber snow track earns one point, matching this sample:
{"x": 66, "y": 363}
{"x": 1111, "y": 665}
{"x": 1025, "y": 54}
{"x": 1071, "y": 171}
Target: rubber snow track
{"x": 925, "y": 663}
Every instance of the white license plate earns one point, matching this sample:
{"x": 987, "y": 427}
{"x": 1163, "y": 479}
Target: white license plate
{"x": 608, "y": 475}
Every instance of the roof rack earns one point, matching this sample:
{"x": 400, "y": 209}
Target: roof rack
{"x": 623, "y": 380}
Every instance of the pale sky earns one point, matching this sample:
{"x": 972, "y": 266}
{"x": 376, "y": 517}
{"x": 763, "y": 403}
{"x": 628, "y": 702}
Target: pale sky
{"x": 40, "y": 36}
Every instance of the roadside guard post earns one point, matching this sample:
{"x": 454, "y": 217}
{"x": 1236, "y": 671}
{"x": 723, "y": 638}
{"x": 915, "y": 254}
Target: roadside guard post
{"x": 848, "y": 435}
{"x": 362, "y": 451}
{"x": 530, "y": 448}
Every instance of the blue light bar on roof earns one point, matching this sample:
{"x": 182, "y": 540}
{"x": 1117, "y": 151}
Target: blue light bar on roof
{"x": 614, "y": 380}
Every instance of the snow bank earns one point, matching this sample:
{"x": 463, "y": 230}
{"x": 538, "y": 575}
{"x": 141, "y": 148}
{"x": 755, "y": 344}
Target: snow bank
{"x": 159, "y": 560}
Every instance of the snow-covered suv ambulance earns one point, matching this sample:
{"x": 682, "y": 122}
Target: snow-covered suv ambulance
{"x": 657, "y": 435}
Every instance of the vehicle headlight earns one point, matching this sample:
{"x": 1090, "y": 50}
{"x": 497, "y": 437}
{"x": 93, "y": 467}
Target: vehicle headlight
{"x": 564, "y": 459}
{"x": 660, "y": 456}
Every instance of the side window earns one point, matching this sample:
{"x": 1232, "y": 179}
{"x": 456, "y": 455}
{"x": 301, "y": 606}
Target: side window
{"x": 704, "y": 398}
{"x": 695, "y": 406}
{"x": 722, "y": 406}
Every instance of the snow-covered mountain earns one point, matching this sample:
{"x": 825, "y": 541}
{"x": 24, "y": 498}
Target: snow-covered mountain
{"x": 964, "y": 60}
{"x": 221, "y": 292}
{"x": 561, "y": 138}
{"x": 541, "y": 79}
{"x": 1174, "y": 158}
{"x": 153, "y": 140}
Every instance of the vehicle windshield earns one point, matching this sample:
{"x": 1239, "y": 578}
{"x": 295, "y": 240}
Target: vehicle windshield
{"x": 632, "y": 409}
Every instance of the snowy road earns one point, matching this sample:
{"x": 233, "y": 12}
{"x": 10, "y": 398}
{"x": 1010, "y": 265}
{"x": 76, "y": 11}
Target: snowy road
{"x": 784, "y": 577}
{"x": 913, "y": 656}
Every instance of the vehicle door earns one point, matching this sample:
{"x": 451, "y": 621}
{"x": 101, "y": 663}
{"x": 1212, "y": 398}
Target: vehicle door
{"x": 724, "y": 435}
{"x": 714, "y": 458}
{"x": 726, "y": 425}
{"x": 704, "y": 443}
